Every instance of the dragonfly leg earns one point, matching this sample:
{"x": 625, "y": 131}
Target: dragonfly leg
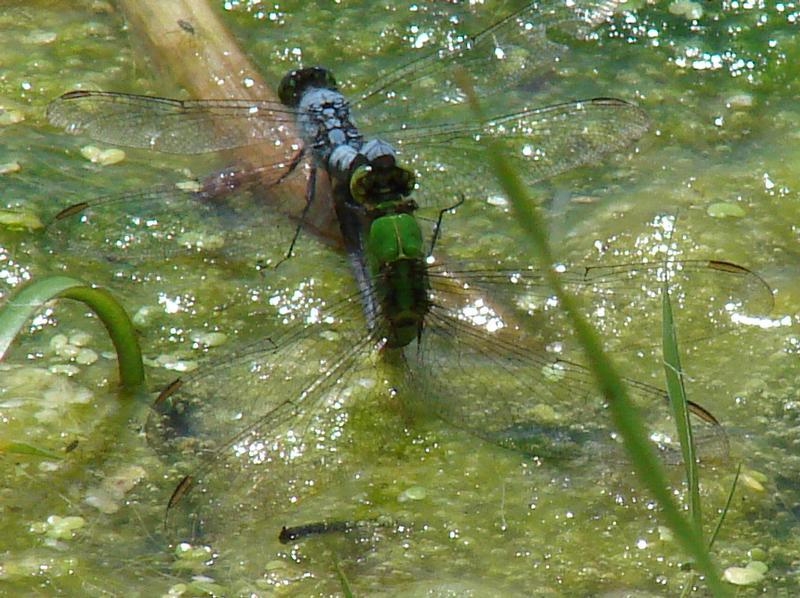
{"x": 310, "y": 195}
{"x": 438, "y": 226}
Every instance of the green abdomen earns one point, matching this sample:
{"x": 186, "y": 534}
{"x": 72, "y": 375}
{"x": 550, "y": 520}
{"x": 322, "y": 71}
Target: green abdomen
{"x": 396, "y": 255}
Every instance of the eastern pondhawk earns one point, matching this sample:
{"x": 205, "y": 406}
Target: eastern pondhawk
{"x": 277, "y": 407}
{"x": 451, "y": 351}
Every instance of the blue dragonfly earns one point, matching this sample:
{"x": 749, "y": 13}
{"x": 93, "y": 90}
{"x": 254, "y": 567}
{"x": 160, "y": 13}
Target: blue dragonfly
{"x": 436, "y": 139}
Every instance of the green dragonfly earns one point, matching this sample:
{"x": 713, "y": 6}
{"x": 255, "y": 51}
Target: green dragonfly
{"x": 267, "y": 413}
{"x": 449, "y": 351}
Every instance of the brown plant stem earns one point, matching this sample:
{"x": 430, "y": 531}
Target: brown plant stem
{"x": 188, "y": 43}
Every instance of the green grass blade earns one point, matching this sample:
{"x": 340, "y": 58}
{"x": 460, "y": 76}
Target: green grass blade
{"x": 726, "y": 508}
{"x": 688, "y": 587}
{"x": 344, "y": 583}
{"x": 31, "y": 298}
{"x": 679, "y": 403}
{"x": 623, "y": 411}
{"x": 25, "y": 448}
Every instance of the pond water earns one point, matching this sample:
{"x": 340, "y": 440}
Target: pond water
{"x": 449, "y": 514}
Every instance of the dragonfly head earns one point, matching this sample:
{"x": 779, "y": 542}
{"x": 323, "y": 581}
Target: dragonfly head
{"x": 297, "y": 82}
{"x": 379, "y": 181}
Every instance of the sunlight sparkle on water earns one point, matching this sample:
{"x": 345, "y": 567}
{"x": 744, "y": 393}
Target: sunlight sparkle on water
{"x": 480, "y": 314}
{"x": 171, "y": 306}
{"x": 13, "y": 273}
{"x": 761, "y": 322}
{"x": 291, "y": 303}
{"x": 421, "y": 39}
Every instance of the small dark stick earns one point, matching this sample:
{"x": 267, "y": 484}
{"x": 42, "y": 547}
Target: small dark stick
{"x": 298, "y": 532}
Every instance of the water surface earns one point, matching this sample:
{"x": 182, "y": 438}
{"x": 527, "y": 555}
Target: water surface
{"x": 720, "y": 84}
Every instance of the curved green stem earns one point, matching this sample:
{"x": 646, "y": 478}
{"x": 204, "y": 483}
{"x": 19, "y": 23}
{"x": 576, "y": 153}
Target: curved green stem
{"x": 32, "y": 297}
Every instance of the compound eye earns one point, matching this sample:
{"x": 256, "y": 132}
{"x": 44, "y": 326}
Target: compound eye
{"x": 330, "y": 80}
{"x": 295, "y": 83}
{"x": 360, "y": 183}
{"x": 406, "y": 180}
{"x": 287, "y": 90}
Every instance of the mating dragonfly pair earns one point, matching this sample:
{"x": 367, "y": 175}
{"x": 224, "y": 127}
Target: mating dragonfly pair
{"x": 474, "y": 344}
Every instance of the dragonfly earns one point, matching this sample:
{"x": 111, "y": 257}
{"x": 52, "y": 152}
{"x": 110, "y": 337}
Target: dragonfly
{"x": 450, "y": 353}
{"x": 434, "y": 329}
{"x": 316, "y": 131}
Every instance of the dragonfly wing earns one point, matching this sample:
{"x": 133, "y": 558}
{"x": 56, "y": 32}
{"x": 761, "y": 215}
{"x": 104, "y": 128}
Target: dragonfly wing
{"x": 506, "y": 62}
{"x": 502, "y": 57}
{"x": 233, "y": 213}
{"x": 174, "y": 126}
{"x": 540, "y": 142}
{"x": 253, "y": 426}
{"x": 505, "y": 385}
{"x": 502, "y": 335}
{"x": 709, "y": 297}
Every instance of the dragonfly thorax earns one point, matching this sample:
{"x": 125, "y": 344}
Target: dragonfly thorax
{"x": 394, "y": 237}
{"x": 395, "y": 252}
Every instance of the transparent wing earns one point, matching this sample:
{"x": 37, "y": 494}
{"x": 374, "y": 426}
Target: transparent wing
{"x": 710, "y": 297}
{"x": 505, "y": 387}
{"x": 173, "y": 126}
{"x": 540, "y": 142}
{"x": 251, "y": 427}
{"x": 502, "y": 57}
{"x": 232, "y": 213}
{"x": 435, "y": 130}
{"x": 518, "y": 381}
